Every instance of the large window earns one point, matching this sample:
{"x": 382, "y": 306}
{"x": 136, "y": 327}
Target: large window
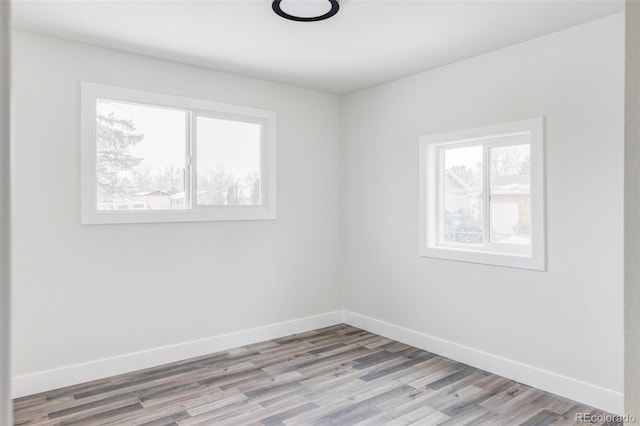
{"x": 482, "y": 195}
{"x": 149, "y": 157}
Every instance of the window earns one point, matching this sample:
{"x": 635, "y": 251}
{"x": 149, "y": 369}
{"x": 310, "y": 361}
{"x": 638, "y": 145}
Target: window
{"x": 482, "y": 195}
{"x": 149, "y": 157}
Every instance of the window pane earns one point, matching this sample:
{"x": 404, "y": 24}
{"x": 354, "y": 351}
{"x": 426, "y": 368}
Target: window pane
{"x": 228, "y": 162}
{"x": 140, "y": 156}
{"x": 462, "y": 207}
{"x": 510, "y": 195}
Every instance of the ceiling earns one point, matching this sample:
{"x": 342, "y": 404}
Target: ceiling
{"x": 368, "y": 43}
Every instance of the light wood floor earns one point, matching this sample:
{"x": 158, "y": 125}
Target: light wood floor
{"x": 334, "y": 376}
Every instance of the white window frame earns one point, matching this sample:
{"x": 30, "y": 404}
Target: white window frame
{"x": 533, "y": 257}
{"x": 90, "y": 92}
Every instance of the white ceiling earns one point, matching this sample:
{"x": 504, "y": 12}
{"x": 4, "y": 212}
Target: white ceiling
{"x": 366, "y": 44}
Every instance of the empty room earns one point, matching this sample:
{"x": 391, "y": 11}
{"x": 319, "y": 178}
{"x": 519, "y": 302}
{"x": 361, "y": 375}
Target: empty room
{"x": 320, "y": 212}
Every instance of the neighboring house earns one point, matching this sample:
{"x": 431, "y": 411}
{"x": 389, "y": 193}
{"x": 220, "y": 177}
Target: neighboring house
{"x": 221, "y": 197}
{"x": 510, "y": 205}
{"x": 138, "y": 201}
{"x": 457, "y": 193}
{"x": 153, "y": 199}
{"x": 461, "y": 210}
{"x": 177, "y": 200}
{"x": 510, "y": 209}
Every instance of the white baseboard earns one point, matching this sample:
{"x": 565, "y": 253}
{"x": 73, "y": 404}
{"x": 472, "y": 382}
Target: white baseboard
{"x": 587, "y": 393}
{"x": 52, "y": 379}
{"x": 596, "y": 396}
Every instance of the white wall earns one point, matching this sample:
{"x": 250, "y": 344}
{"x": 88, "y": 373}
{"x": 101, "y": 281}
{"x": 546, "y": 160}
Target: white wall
{"x": 566, "y": 321}
{"x": 632, "y": 211}
{"x": 5, "y": 213}
{"x": 82, "y": 293}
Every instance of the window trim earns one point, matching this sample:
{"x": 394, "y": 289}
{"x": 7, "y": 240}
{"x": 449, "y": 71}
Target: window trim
{"x": 430, "y": 187}
{"x": 89, "y": 212}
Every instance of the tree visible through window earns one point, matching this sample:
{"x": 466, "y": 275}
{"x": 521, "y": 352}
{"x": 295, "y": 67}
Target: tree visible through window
{"x": 174, "y": 154}
{"x": 140, "y": 156}
{"x": 228, "y": 162}
{"x": 114, "y": 137}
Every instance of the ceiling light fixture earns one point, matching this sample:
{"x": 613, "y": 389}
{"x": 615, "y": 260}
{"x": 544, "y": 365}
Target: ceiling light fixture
{"x": 306, "y": 10}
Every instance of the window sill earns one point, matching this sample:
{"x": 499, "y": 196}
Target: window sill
{"x": 510, "y": 260}
{"x": 212, "y": 214}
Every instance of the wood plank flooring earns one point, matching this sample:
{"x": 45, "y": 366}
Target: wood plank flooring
{"x": 338, "y": 375}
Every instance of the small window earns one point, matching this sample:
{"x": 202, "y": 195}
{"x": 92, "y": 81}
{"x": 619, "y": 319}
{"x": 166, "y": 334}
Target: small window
{"x": 149, "y": 157}
{"x": 482, "y": 195}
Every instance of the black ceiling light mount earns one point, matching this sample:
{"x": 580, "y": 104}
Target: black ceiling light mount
{"x": 306, "y": 10}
